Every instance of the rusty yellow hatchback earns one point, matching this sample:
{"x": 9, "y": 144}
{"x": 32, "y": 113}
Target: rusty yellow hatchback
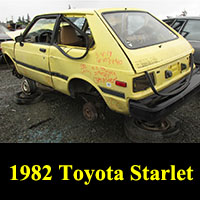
{"x": 127, "y": 58}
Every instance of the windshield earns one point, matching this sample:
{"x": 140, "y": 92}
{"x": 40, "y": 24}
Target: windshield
{"x": 138, "y": 29}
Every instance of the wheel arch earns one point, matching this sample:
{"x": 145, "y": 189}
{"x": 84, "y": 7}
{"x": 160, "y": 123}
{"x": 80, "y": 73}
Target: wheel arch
{"x": 12, "y": 63}
{"x": 9, "y": 58}
{"x": 82, "y": 84}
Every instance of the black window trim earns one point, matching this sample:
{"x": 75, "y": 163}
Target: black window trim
{"x": 56, "y": 28}
{"x": 58, "y": 18}
{"x": 47, "y": 16}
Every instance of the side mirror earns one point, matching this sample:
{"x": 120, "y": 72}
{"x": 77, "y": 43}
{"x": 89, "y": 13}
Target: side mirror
{"x": 19, "y": 38}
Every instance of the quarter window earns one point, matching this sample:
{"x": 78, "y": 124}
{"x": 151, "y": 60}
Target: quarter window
{"x": 68, "y": 35}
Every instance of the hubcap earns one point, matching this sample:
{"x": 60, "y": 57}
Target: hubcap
{"x": 89, "y": 112}
{"x": 162, "y": 125}
{"x": 25, "y": 86}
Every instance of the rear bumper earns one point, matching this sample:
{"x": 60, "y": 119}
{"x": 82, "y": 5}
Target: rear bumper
{"x": 154, "y": 108}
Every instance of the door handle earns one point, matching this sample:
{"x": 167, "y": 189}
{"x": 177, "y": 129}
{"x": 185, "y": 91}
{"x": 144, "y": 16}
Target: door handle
{"x": 43, "y": 50}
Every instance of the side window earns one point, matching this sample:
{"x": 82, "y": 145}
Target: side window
{"x": 178, "y": 25}
{"x": 68, "y": 35}
{"x": 78, "y": 21}
{"x": 41, "y": 31}
{"x": 191, "y": 30}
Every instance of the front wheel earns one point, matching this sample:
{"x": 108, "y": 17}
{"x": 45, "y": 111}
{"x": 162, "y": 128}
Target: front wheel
{"x": 2, "y": 61}
{"x": 28, "y": 86}
{"x": 22, "y": 99}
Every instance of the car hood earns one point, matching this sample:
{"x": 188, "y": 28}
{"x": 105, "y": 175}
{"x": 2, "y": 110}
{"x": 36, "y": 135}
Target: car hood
{"x": 148, "y": 58}
{"x": 4, "y": 36}
{"x": 14, "y": 34}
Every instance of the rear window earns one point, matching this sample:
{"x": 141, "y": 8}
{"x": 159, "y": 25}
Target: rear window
{"x": 138, "y": 29}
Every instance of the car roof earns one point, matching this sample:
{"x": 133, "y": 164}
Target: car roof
{"x": 91, "y": 11}
{"x": 186, "y": 18}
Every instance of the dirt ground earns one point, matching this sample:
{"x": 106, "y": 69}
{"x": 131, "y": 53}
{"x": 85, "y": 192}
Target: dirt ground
{"x": 58, "y": 119}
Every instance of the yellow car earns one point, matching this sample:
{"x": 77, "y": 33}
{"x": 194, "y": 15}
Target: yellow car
{"x": 127, "y": 58}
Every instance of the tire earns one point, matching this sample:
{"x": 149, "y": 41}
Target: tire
{"x": 24, "y": 99}
{"x": 138, "y": 134}
{"x": 28, "y": 86}
{"x": 2, "y": 60}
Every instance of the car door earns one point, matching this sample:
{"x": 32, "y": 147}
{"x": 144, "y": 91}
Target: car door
{"x": 69, "y": 49}
{"x": 191, "y": 32}
{"x": 32, "y": 54}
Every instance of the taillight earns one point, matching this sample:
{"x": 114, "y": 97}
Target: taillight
{"x": 141, "y": 83}
{"x": 121, "y": 83}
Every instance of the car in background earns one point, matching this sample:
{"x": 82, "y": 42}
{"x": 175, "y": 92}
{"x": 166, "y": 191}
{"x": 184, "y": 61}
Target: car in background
{"x": 188, "y": 27}
{"x": 3, "y": 37}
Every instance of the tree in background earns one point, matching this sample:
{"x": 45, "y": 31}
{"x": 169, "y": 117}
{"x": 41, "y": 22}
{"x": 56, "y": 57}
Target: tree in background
{"x": 22, "y": 22}
{"x": 28, "y": 19}
{"x": 19, "y": 24}
{"x": 184, "y": 13}
{"x": 69, "y": 6}
{"x": 19, "y": 20}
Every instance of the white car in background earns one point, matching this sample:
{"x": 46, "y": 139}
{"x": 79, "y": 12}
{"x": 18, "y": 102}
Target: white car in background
{"x": 3, "y": 37}
{"x": 6, "y": 35}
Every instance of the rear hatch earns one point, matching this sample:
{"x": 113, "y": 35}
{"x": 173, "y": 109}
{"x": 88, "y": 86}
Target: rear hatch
{"x": 150, "y": 45}
{"x": 160, "y": 55}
